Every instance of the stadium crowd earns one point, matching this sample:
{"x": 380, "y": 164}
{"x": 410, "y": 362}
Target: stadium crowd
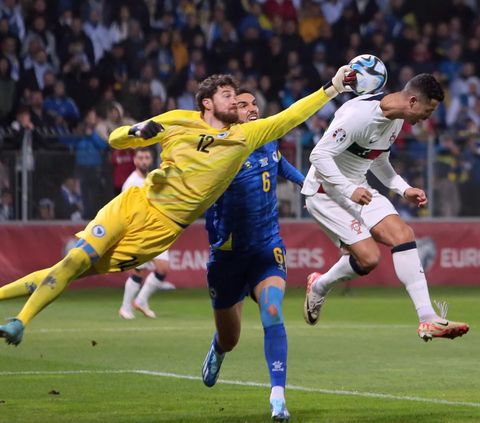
{"x": 72, "y": 71}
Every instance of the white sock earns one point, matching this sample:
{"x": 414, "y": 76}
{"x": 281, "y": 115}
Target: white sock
{"x": 341, "y": 271}
{"x": 151, "y": 285}
{"x": 410, "y": 272}
{"x": 278, "y": 392}
{"x": 131, "y": 289}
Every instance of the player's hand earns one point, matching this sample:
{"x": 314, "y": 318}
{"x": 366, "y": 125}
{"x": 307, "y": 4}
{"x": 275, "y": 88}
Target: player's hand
{"x": 416, "y": 196}
{"x": 361, "y": 196}
{"x": 343, "y": 81}
{"x": 146, "y": 130}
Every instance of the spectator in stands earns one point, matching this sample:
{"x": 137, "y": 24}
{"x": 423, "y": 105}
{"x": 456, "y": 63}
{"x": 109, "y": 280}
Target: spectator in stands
{"x": 33, "y": 78}
{"x": 452, "y": 66}
{"x": 115, "y": 119}
{"x": 98, "y": 34}
{"x": 69, "y": 204}
{"x": 83, "y": 44}
{"x": 191, "y": 29}
{"x": 156, "y": 86}
{"x": 179, "y": 50}
{"x": 9, "y": 50}
{"x": 45, "y": 37}
{"x": 113, "y": 68}
{"x": 7, "y": 89}
{"x": 90, "y": 160}
{"x": 119, "y": 27}
{"x": 156, "y": 106}
{"x": 6, "y": 205}
{"x": 49, "y": 81}
{"x": 11, "y": 11}
{"x": 165, "y": 60}
{"x": 60, "y": 105}
{"x": 256, "y": 19}
{"x": 39, "y": 116}
{"x": 46, "y": 208}
{"x": 283, "y": 8}
{"x": 136, "y": 50}
{"x": 448, "y": 173}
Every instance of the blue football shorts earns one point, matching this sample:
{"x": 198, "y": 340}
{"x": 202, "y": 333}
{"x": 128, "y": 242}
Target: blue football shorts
{"x": 232, "y": 275}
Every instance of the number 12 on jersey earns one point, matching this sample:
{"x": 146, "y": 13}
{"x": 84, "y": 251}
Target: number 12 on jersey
{"x": 205, "y": 141}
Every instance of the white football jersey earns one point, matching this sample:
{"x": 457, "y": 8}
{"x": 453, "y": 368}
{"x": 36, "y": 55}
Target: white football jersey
{"x": 358, "y": 139}
{"x": 134, "y": 180}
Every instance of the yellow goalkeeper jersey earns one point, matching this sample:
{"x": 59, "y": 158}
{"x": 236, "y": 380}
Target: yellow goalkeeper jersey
{"x": 199, "y": 162}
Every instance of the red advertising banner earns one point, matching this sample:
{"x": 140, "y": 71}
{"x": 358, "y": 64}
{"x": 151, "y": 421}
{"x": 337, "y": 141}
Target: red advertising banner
{"x": 450, "y": 253}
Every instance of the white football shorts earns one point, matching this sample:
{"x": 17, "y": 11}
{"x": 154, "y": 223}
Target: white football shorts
{"x": 150, "y": 265}
{"x": 348, "y": 227}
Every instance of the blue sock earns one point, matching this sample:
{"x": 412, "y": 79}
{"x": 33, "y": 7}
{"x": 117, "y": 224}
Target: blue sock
{"x": 276, "y": 347}
{"x": 217, "y": 347}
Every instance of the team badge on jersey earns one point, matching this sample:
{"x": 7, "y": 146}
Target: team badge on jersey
{"x": 392, "y": 139}
{"x": 99, "y": 231}
{"x": 339, "y": 135}
{"x": 263, "y": 162}
{"x": 223, "y": 135}
{"x": 356, "y": 226}
{"x": 276, "y": 156}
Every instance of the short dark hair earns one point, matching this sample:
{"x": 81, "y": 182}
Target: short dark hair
{"x": 142, "y": 150}
{"x": 208, "y": 87}
{"x": 426, "y": 87}
{"x": 244, "y": 91}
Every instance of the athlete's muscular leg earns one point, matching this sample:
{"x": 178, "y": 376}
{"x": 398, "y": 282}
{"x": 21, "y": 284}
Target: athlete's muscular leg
{"x": 366, "y": 254}
{"x": 396, "y": 234}
{"x": 28, "y": 284}
{"x": 68, "y": 270}
{"x": 269, "y": 294}
{"x": 392, "y": 232}
{"x": 228, "y": 322}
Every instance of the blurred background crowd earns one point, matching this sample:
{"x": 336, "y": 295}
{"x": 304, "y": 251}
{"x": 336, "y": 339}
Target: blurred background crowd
{"x": 71, "y": 71}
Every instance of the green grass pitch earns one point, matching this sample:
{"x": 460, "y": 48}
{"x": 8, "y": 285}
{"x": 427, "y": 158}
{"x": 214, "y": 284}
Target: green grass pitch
{"x": 362, "y": 363}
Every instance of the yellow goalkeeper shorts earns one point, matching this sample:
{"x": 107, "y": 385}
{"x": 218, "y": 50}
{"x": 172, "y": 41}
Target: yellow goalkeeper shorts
{"x": 127, "y": 232}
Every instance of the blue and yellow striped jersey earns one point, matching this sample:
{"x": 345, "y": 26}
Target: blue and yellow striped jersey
{"x": 245, "y": 217}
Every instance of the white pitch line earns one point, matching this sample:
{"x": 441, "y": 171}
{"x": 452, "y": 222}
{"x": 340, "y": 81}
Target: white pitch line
{"x": 246, "y": 327}
{"x": 256, "y": 384}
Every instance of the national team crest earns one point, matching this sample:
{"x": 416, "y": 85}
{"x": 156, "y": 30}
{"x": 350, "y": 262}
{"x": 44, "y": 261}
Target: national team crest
{"x": 223, "y": 135}
{"x": 339, "y": 135}
{"x": 356, "y": 226}
{"x": 263, "y": 162}
{"x": 392, "y": 139}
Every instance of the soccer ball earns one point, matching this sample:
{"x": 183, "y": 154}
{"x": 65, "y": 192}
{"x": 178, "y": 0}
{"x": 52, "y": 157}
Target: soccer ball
{"x": 371, "y": 74}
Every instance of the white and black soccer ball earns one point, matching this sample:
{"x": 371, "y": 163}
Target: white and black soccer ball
{"x": 371, "y": 74}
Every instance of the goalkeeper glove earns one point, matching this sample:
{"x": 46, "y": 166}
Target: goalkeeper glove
{"x": 146, "y": 130}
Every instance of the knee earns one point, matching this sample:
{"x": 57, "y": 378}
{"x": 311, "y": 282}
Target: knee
{"x": 271, "y": 299}
{"x": 368, "y": 262}
{"x": 228, "y": 341}
{"x": 162, "y": 267}
{"x": 406, "y": 235}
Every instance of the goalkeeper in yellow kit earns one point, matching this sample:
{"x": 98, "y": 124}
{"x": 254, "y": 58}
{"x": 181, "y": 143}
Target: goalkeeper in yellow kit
{"x": 202, "y": 153}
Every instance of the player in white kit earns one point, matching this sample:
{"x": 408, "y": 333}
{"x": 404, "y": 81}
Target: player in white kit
{"x": 134, "y": 297}
{"x": 355, "y": 216}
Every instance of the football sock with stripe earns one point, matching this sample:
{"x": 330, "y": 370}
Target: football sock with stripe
{"x": 411, "y": 273}
{"x": 152, "y": 283}
{"x": 343, "y": 270}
